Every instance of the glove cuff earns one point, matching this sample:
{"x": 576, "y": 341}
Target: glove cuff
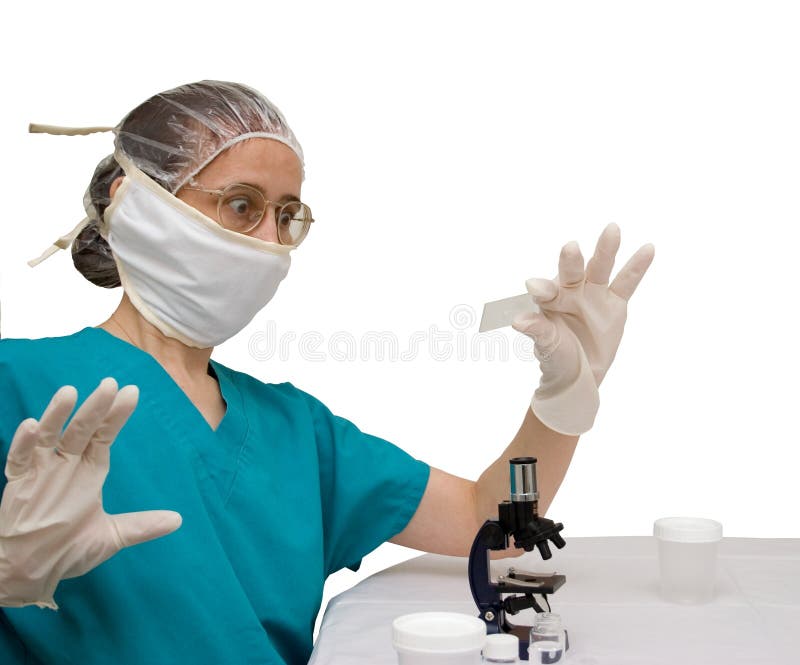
{"x": 13, "y": 600}
{"x": 572, "y": 411}
{"x": 17, "y": 591}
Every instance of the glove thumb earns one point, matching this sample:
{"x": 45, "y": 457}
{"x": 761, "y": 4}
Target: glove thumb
{"x": 139, "y": 527}
{"x": 542, "y": 290}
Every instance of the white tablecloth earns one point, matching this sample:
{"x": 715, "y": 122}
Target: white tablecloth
{"x": 610, "y": 605}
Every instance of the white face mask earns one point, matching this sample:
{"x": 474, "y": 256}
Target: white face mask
{"x": 191, "y": 278}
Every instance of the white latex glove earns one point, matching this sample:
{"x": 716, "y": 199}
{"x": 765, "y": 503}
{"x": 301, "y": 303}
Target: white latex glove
{"x": 52, "y": 522}
{"x": 579, "y": 329}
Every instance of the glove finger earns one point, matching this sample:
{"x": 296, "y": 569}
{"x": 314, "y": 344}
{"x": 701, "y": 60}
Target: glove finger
{"x": 88, "y": 418}
{"x": 598, "y": 270}
{"x": 134, "y": 528}
{"x": 55, "y": 415}
{"x": 121, "y": 409}
{"x": 21, "y": 449}
{"x": 540, "y": 329}
{"x": 542, "y": 290}
{"x": 628, "y": 278}
{"x": 570, "y": 265}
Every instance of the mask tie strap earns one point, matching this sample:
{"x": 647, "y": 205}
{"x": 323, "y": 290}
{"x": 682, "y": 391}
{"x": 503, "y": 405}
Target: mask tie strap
{"x": 62, "y": 243}
{"x": 66, "y": 240}
{"x": 56, "y": 130}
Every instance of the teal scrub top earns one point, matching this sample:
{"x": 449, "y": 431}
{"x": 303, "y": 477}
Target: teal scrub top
{"x": 280, "y": 496}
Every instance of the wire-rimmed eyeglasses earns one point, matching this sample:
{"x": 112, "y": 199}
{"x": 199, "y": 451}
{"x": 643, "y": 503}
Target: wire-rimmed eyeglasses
{"x": 241, "y": 208}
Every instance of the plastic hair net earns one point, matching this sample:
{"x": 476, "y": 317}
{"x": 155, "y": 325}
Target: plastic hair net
{"x": 171, "y": 137}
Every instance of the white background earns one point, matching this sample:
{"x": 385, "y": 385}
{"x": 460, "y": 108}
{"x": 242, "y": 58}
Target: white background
{"x": 452, "y": 149}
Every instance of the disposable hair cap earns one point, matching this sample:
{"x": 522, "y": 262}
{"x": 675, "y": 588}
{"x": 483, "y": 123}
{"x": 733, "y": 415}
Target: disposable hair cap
{"x": 176, "y": 133}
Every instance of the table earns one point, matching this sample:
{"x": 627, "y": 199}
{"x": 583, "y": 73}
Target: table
{"x": 610, "y": 605}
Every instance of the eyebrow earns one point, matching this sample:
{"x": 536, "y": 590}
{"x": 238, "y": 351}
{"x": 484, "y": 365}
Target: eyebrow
{"x": 285, "y": 197}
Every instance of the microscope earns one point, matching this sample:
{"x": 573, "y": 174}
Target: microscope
{"x": 517, "y": 518}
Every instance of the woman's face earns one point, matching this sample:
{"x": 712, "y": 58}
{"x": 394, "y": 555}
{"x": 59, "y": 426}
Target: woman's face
{"x": 269, "y": 166}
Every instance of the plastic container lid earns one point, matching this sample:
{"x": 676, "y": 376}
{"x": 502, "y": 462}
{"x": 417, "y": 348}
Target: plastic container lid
{"x": 438, "y": 632}
{"x": 501, "y": 645}
{"x": 687, "y": 529}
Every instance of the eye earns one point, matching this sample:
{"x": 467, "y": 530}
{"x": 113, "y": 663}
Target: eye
{"x": 242, "y": 208}
{"x": 287, "y": 215}
{"x": 241, "y": 205}
{"x": 293, "y": 222}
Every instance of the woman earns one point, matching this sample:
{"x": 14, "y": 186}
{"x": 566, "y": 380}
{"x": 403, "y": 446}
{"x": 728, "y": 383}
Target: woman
{"x": 195, "y": 216}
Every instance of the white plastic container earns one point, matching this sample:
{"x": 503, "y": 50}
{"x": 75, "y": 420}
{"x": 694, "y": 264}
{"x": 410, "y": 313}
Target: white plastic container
{"x": 438, "y": 638}
{"x": 687, "y": 555}
{"x": 501, "y": 648}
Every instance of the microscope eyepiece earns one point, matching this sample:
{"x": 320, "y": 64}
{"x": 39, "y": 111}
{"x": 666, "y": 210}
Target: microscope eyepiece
{"x": 523, "y": 479}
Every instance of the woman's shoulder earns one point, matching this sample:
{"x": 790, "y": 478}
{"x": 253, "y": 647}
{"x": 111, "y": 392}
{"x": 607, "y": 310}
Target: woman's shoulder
{"x": 24, "y": 352}
{"x": 31, "y": 370}
{"x": 80, "y": 359}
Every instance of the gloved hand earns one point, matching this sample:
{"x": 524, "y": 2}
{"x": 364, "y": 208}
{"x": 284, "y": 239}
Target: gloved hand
{"x": 52, "y": 522}
{"x": 579, "y": 328}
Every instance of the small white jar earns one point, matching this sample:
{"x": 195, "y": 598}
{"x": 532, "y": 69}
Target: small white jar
{"x": 438, "y": 638}
{"x": 687, "y": 557}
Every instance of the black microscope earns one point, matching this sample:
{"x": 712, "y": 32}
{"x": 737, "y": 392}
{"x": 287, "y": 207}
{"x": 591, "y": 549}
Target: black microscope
{"x": 518, "y": 518}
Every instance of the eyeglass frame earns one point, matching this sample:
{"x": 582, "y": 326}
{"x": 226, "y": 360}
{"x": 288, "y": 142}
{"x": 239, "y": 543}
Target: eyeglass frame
{"x": 220, "y": 193}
